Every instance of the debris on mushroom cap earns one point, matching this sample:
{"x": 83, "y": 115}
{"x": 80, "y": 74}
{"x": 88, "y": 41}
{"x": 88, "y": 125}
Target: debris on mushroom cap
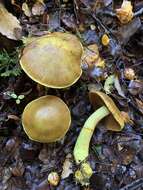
{"x": 53, "y": 60}
{"x": 115, "y": 120}
{"x": 43, "y": 118}
{"x": 125, "y": 13}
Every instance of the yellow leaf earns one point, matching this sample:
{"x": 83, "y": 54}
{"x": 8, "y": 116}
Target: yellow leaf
{"x": 105, "y": 40}
{"x": 26, "y": 9}
{"x": 125, "y": 13}
{"x": 91, "y": 57}
{"x": 9, "y": 25}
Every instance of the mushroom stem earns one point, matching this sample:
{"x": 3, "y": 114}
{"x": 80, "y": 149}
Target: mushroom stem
{"x": 81, "y": 148}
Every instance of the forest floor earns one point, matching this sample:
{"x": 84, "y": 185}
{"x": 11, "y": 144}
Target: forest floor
{"x": 115, "y": 157}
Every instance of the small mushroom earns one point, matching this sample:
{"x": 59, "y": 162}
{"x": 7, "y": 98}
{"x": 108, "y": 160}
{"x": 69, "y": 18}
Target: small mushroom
{"x": 46, "y": 119}
{"x": 53, "y": 60}
{"x": 104, "y": 107}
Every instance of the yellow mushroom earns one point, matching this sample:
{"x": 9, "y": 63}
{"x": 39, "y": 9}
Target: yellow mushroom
{"x": 53, "y": 60}
{"x": 46, "y": 119}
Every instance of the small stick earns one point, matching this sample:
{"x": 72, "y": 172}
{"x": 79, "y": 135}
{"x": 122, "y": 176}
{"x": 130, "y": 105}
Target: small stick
{"x": 135, "y": 185}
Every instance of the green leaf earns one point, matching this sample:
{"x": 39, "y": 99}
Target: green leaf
{"x": 108, "y": 85}
{"x": 18, "y": 101}
{"x": 21, "y": 96}
{"x": 13, "y": 95}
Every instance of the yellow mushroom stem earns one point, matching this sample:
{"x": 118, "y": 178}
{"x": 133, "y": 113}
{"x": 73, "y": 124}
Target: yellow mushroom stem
{"x": 81, "y": 149}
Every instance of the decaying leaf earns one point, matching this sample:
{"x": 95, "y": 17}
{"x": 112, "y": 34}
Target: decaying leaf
{"x": 126, "y": 31}
{"x": 9, "y": 25}
{"x": 140, "y": 105}
{"x": 105, "y": 40}
{"x": 90, "y": 55}
{"x": 92, "y": 58}
{"x": 118, "y": 87}
{"x": 127, "y": 118}
{"x": 125, "y": 13}
{"x": 108, "y": 85}
{"x": 129, "y": 73}
{"x": 38, "y": 8}
{"x": 135, "y": 87}
{"x": 67, "y": 167}
{"x": 26, "y": 9}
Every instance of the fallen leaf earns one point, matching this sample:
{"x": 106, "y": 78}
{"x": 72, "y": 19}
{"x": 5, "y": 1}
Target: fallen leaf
{"x": 118, "y": 87}
{"x": 105, "y": 40}
{"x": 139, "y": 104}
{"x": 9, "y": 24}
{"x": 125, "y": 32}
{"x": 90, "y": 55}
{"x": 135, "y": 87}
{"x": 26, "y": 10}
{"x": 127, "y": 118}
{"x": 125, "y": 13}
{"x": 38, "y": 8}
{"x": 108, "y": 85}
{"x": 67, "y": 167}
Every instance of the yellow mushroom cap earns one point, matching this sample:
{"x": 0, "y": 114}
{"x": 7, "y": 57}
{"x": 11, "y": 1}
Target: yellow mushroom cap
{"x": 53, "y": 60}
{"x": 46, "y": 119}
{"x": 115, "y": 120}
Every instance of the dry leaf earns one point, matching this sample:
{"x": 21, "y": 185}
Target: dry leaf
{"x": 67, "y": 167}
{"x": 125, "y": 13}
{"x": 118, "y": 87}
{"x": 91, "y": 57}
{"x": 13, "y": 117}
{"x": 127, "y": 118}
{"x": 105, "y": 40}
{"x": 9, "y": 25}
{"x": 38, "y": 8}
{"x": 139, "y": 104}
{"x": 129, "y": 73}
{"x": 26, "y": 10}
{"x": 108, "y": 85}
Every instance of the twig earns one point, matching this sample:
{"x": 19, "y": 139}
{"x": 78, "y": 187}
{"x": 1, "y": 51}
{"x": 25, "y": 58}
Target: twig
{"x": 75, "y": 10}
{"x": 113, "y": 14}
{"x": 135, "y": 185}
{"x": 139, "y": 12}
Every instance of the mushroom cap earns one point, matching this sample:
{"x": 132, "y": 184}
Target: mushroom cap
{"x": 53, "y": 60}
{"x": 46, "y": 119}
{"x": 114, "y": 121}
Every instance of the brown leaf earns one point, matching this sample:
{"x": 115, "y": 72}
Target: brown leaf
{"x": 135, "y": 87}
{"x": 9, "y": 25}
{"x": 139, "y": 104}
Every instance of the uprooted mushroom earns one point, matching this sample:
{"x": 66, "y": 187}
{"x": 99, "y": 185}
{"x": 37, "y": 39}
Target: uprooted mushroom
{"x": 104, "y": 108}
